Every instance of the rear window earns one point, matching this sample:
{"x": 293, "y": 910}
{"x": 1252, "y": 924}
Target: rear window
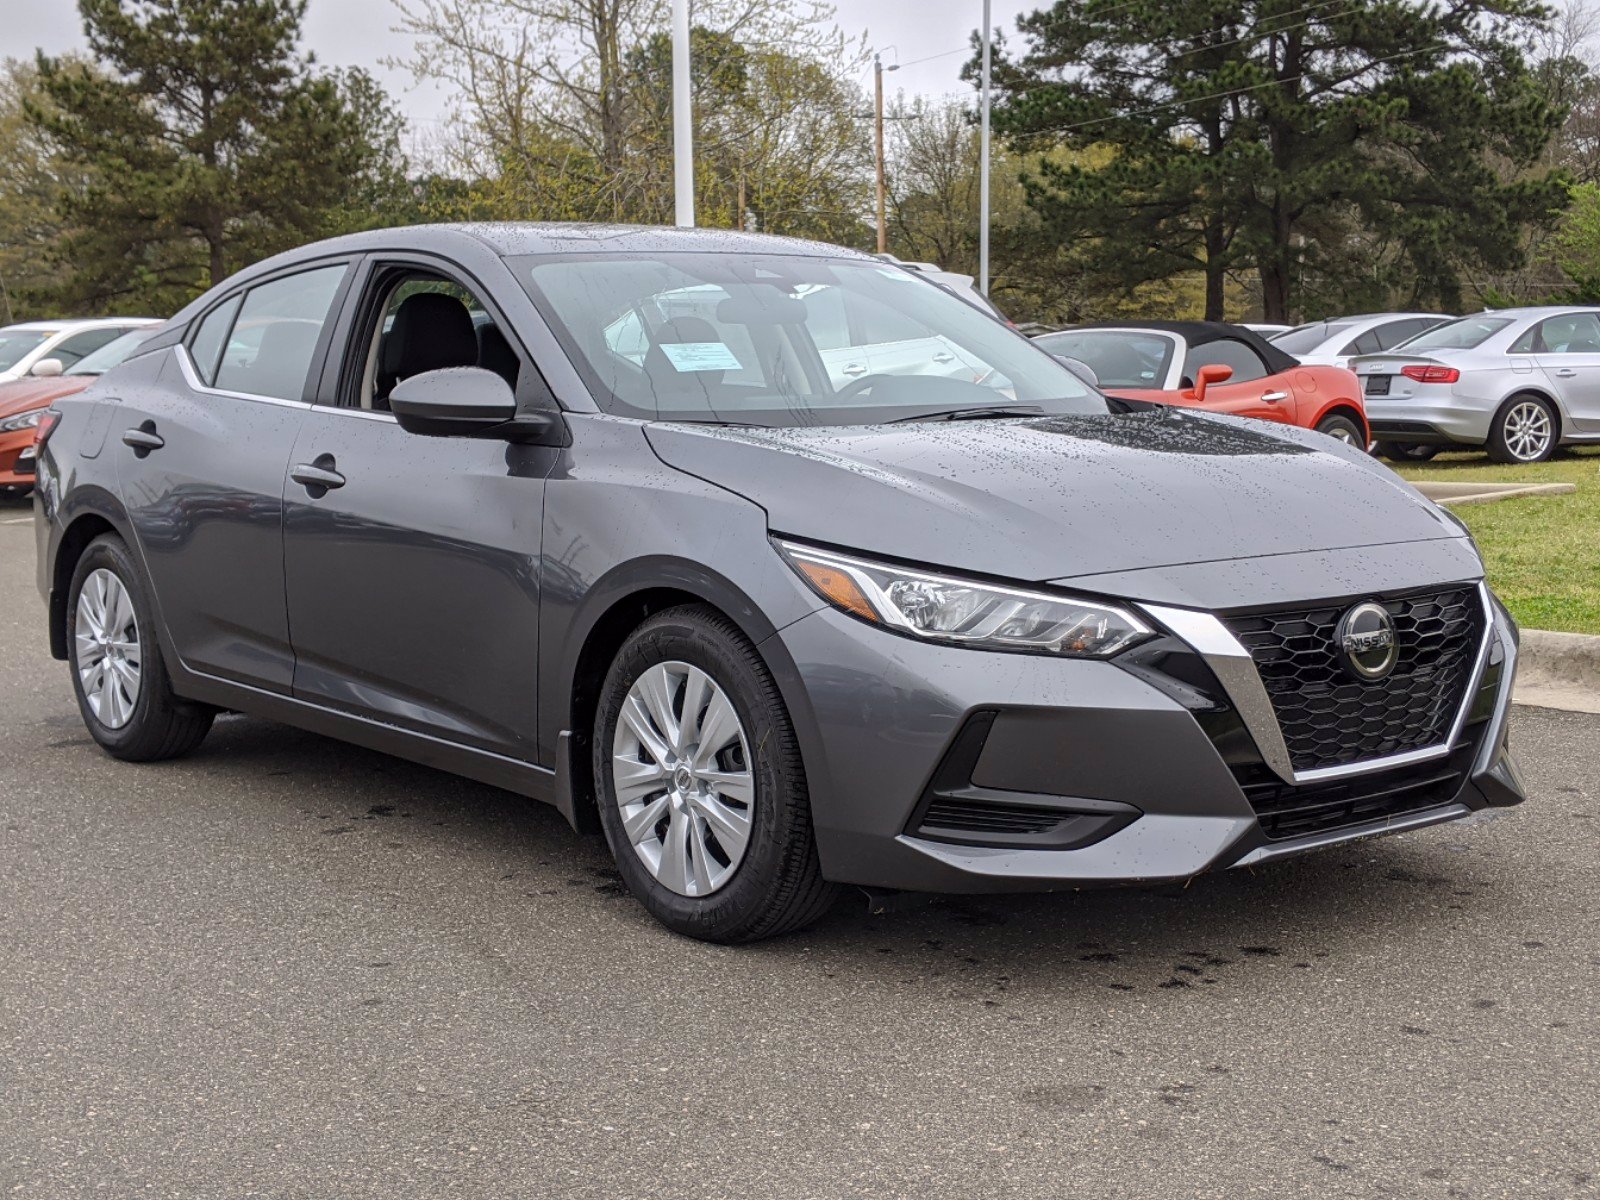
{"x": 1462, "y": 334}
{"x": 1307, "y": 338}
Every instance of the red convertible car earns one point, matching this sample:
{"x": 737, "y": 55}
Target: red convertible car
{"x": 1223, "y": 368}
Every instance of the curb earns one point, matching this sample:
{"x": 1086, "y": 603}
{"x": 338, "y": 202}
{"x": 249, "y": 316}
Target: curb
{"x": 1559, "y": 670}
{"x": 1487, "y": 493}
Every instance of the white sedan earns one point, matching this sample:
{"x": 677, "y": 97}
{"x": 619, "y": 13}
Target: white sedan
{"x": 31, "y": 347}
{"x": 1335, "y": 341}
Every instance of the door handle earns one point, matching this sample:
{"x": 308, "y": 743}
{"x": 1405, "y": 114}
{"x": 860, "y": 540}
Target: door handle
{"x": 854, "y": 369}
{"x": 1274, "y": 397}
{"x": 317, "y": 476}
{"x": 1566, "y": 373}
{"x": 143, "y": 438}
{"x": 944, "y": 357}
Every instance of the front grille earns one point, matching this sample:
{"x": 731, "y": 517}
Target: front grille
{"x": 1330, "y": 719}
{"x": 1288, "y": 810}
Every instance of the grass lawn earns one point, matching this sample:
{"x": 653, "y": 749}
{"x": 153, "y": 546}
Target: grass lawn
{"x": 1543, "y": 552}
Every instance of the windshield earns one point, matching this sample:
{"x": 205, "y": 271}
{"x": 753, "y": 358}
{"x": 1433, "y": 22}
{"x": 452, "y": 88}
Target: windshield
{"x": 109, "y": 355}
{"x": 1118, "y": 358}
{"x": 775, "y": 339}
{"x": 1307, "y": 338}
{"x": 17, "y": 344}
{"x": 1462, "y": 334}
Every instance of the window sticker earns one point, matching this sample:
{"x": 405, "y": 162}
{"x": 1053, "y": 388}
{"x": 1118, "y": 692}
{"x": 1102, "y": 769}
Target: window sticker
{"x": 701, "y": 356}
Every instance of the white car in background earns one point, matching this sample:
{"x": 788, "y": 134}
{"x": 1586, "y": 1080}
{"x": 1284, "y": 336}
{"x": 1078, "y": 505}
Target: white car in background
{"x": 1335, "y": 341}
{"x": 1519, "y": 382}
{"x": 31, "y": 347}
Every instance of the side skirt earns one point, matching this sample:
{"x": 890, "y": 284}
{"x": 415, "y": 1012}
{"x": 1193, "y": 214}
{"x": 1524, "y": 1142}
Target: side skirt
{"x": 514, "y": 775}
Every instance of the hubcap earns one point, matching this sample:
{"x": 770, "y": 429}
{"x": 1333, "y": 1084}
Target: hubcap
{"x": 1346, "y": 435}
{"x": 106, "y": 637}
{"x": 681, "y": 769}
{"x": 1528, "y": 431}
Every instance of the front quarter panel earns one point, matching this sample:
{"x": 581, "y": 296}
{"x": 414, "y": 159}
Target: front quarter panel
{"x": 618, "y": 523}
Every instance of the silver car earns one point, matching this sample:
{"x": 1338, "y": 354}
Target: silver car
{"x": 1519, "y": 382}
{"x": 1335, "y": 341}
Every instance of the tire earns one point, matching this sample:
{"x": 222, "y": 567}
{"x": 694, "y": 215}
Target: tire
{"x": 140, "y": 721}
{"x": 1406, "y": 451}
{"x": 708, "y": 889}
{"x": 1525, "y": 430}
{"x": 1343, "y": 429}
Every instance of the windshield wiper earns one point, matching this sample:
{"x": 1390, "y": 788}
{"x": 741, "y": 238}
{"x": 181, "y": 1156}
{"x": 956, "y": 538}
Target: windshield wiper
{"x": 975, "y": 413}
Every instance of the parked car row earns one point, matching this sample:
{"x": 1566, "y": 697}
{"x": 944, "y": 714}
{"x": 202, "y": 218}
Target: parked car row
{"x": 1518, "y": 383}
{"x": 42, "y": 361}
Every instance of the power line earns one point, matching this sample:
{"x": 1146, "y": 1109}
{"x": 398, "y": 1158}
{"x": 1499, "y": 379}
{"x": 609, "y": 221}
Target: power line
{"x": 1255, "y": 33}
{"x": 1254, "y": 87}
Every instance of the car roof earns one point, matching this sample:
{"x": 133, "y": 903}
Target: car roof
{"x": 512, "y": 238}
{"x": 1535, "y": 310}
{"x": 66, "y": 324}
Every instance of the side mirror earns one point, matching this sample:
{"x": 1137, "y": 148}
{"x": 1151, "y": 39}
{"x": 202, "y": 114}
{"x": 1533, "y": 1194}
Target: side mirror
{"x": 1209, "y": 376}
{"x": 1079, "y": 368}
{"x": 469, "y": 402}
{"x": 47, "y": 368}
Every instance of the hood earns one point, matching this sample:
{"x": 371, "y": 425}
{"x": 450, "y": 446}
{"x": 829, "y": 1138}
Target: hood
{"x": 1053, "y": 497}
{"x": 32, "y": 392}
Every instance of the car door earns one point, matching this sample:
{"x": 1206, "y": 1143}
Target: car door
{"x": 411, "y": 562}
{"x": 202, "y": 448}
{"x": 1250, "y": 391}
{"x": 1567, "y": 349}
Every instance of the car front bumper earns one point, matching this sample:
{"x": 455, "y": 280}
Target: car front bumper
{"x": 896, "y": 732}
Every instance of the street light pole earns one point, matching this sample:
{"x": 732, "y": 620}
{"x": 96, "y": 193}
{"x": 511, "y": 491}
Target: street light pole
{"x": 877, "y": 134}
{"x": 682, "y": 118}
{"x": 983, "y": 166}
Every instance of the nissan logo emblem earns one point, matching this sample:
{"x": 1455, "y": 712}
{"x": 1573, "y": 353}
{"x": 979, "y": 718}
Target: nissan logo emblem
{"x": 1366, "y": 641}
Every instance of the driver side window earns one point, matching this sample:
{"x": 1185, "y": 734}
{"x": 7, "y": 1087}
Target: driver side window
{"x": 1244, "y": 362}
{"x": 425, "y": 321}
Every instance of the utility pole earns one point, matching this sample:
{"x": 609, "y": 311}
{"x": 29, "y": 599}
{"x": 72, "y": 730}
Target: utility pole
{"x": 877, "y": 133}
{"x": 983, "y": 166}
{"x": 682, "y": 118}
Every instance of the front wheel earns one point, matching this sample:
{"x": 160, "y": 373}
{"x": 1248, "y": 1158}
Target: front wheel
{"x": 1343, "y": 429}
{"x": 123, "y": 692}
{"x": 1524, "y": 431}
{"x": 700, "y": 786}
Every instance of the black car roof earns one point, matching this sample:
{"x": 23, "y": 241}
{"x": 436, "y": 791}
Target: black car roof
{"x": 1198, "y": 333}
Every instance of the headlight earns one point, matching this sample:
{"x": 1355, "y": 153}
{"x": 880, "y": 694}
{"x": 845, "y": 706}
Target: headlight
{"x": 27, "y": 420}
{"x": 965, "y": 612}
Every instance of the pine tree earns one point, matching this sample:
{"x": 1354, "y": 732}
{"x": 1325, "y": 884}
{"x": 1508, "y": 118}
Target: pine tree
{"x": 210, "y": 141}
{"x": 1245, "y": 132}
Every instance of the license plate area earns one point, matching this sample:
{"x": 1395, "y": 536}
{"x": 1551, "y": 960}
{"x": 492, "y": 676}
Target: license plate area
{"x": 1378, "y": 385}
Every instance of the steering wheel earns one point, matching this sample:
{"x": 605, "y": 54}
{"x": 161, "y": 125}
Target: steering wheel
{"x": 856, "y": 386}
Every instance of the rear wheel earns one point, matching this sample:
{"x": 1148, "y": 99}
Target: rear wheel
{"x": 121, "y": 683}
{"x": 701, "y": 790}
{"x": 1343, "y": 429}
{"x": 1524, "y": 431}
{"x": 1406, "y": 451}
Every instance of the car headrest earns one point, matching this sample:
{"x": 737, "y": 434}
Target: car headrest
{"x": 430, "y": 331}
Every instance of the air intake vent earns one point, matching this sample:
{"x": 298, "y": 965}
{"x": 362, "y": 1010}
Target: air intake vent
{"x": 966, "y": 817}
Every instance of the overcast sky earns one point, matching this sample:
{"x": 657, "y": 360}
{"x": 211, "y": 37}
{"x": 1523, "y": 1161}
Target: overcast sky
{"x": 928, "y": 37}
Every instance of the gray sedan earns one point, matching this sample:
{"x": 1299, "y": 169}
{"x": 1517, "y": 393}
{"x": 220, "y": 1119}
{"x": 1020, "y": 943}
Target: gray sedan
{"x": 1519, "y": 382}
{"x": 586, "y": 513}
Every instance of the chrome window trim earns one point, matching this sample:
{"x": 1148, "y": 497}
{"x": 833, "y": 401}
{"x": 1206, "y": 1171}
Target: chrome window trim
{"x": 1222, "y": 652}
{"x": 192, "y": 378}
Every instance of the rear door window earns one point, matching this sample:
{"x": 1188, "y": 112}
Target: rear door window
{"x": 205, "y": 348}
{"x": 274, "y": 337}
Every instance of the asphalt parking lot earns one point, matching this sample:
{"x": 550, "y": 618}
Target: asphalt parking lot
{"x": 286, "y": 967}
